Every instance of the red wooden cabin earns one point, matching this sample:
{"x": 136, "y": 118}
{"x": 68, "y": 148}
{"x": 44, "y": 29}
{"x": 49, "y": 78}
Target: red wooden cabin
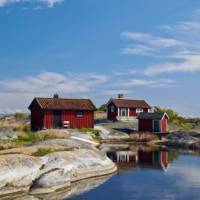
{"x": 125, "y": 109}
{"x": 153, "y": 122}
{"x": 47, "y": 113}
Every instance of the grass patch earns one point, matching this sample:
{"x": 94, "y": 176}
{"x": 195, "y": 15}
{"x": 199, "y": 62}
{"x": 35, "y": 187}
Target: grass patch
{"x": 28, "y": 138}
{"x": 89, "y": 130}
{"x": 44, "y": 151}
{"x": 20, "y": 116}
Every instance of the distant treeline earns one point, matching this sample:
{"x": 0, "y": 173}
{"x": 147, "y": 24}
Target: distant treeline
{"x": 179, "y": 120}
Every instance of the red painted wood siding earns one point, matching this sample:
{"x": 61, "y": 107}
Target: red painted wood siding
{"x": 164, "y": 157}
{"x": 133, "y": 112}
{"x": 145, "y": 125}
{"x": 48, "y": 119}
{"x": 36, "y": 118}
{"x": 164, "y": 124}
{"x": 112, "y": 115}
{"x": 87, "y": 121}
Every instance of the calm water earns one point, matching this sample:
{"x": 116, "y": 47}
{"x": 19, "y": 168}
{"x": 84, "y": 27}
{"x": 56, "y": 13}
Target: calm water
{"x": 148, "y": 174}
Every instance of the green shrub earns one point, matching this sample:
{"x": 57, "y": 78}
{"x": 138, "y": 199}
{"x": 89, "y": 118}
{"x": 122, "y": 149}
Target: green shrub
{"x": 42, "y": 152}
{"x": 30, "y": 137}
{"x": 20, "y": 116}
{"x": 96, "y": 138}
{"x": 27, "y": 128}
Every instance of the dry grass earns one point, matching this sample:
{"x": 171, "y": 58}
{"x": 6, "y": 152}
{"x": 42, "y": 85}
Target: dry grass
{"x": 38, "y": 150}
{"x": 143, "y": 137}
{"x": 52, "y": 134}
{"x": 27, "y": 138}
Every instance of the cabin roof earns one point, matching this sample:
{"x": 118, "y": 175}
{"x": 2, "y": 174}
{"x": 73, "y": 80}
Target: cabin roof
{"x": 156, "y": 115}
{"x": 130, "y": 103}
{"x": 63, "y": 104}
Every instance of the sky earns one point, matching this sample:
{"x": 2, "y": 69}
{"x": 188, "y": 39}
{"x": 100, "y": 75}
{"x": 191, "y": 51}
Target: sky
{"x": 98, "y": 48}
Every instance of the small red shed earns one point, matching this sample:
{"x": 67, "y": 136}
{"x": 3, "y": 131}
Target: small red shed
{"x": 153, "y": 122}
{"x": 125, "y": 109}
{"x": 47, "y": 113}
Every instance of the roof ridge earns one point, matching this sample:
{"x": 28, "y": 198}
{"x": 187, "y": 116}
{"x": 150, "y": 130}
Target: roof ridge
{"x": 63, "y": 98}
{"x": 129, "y": 99}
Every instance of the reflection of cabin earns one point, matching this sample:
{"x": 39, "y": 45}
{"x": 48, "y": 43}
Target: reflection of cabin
{"x": 125, "y": 109}
{"x": 123, "y": 156}
{"x": 58, "y": 112}
{"x": 154, "y": 159}
{"x": 143, "y": 159}
{"x": 153, "y": 122}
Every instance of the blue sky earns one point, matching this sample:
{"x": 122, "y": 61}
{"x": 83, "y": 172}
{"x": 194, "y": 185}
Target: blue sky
{"x": 98, "y": 48}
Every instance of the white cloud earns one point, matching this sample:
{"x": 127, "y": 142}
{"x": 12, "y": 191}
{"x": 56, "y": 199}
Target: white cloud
{"x": 138, "y": 50}
{"x": 189, "y": 174}
{"x": 189, "y": 63}
{"x": 49, "y": 82}
{"x": 150, "y": 40}
{"x": 17, "y": 93}
{"x": 183, "y": 48}
{"x": 149, "y": 83}
{"x": 49, "y": 3}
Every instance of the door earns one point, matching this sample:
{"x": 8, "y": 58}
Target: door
{"x": 57, "y": 119}
{"x": 156, "y": 126}
{"x": 123, "y": 112}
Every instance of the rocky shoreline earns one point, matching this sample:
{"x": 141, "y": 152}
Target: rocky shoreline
{"x": 27, "y": 174}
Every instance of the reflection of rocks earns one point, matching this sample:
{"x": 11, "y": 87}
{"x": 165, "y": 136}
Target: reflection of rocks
{"x": 183, "y": 139}
{"x": 54, "y": 171}
{"x": 75, "y": 189}
{"x": 7, "y": 134}
{"x": 66, "y": 167}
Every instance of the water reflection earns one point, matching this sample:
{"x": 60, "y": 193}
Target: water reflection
{"x": 76, "y": 188}
{"x": 130, "y": 157}
{"x": 149, "y": 173}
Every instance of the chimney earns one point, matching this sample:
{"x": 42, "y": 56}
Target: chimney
{"x": 120, "y": 96}
{"x": 56, "y": 96}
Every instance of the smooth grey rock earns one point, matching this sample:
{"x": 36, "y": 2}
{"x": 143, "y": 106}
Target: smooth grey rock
{"x": 63, "y": 168}
{"x": 17, "y": 172}
{"x": 7, "y": 134}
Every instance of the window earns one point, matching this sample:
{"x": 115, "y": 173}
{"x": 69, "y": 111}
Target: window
{"x": 123, "y": 112}
{"x": 150, "y": 110}
{"x": 112, "y": 109}
{"x": 139, "y": 110}
{"x": 79, "y": 114}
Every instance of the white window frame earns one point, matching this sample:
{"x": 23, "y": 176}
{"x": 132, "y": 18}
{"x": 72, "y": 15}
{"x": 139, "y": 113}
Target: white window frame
{"x": 139, "y": 110}
{"x": 79, "y": 114}
{"x": 112, "y": 109}
{"x": 150, "y": 110}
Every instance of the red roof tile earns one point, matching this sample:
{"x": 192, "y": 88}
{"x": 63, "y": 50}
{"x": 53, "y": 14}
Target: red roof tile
{"x": 64, "y": 104}
{"x": 130, "y": 103}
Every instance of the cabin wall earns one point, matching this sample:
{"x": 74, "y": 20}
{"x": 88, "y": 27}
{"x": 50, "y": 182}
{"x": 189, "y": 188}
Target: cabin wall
{"x": 112, "y": 115}
{"x": 133, "y": 113}
{"x": 164, "y": 124}
{"x": 48, "y": 119}
{"x": 145, "y": 125}
{"x": 87, "y": 121}
{"x": 36, "y": 118}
